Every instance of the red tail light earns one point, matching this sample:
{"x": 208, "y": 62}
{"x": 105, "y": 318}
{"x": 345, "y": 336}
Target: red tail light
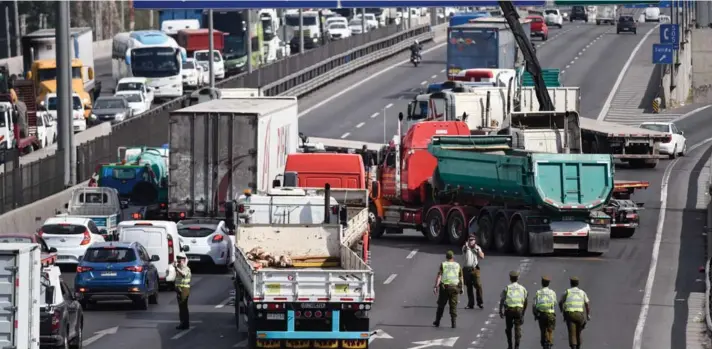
{"x": 182, "y": 215}
{"x": 218, "y": 238}
{"x": 56, "y": 320}
{"x": 307, "y": 314}
{"x": 84, "y": 269}
{"x": 136, "y": 215}
{"x": 317, "y": 314}
{"x": 87, "y": 238}
{"x": 335, "y": 209}
{"x": 667, "y": 139}
{"x": 137, "y": 269}
{"x": 241, "y": 208}
{"x": 163, "y": 205}
{"x": 171, "y": 252}
{"x": 40, "y": 233}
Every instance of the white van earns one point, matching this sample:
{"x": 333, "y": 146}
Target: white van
{"x": 159, "y": 238}
{"x": 285, "y": 206}
{"x": 652, "y": 14}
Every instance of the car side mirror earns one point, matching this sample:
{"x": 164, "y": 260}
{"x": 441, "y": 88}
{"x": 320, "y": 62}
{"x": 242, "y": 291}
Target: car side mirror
{"x": 155, "y": 258}
{"x": 682, "y": 133}
{"x": 52, "y": 250}
{"x": 49, "y": 295}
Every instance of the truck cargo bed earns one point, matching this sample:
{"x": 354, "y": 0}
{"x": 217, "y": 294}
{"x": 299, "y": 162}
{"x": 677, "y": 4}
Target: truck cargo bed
{"x": 610, "y": 129}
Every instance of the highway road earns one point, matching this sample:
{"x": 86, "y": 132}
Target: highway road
{"x": 405, "y": 266}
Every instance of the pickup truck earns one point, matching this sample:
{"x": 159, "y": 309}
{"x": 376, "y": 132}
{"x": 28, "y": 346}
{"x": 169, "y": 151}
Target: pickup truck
{"x": 101, "y": 205}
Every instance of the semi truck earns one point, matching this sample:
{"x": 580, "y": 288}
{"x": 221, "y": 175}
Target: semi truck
{"x": 180, "y": 15}
{"x": 199, "y": 39}
{"x": 22, "y": 295}
{"x": 310, "y": 291}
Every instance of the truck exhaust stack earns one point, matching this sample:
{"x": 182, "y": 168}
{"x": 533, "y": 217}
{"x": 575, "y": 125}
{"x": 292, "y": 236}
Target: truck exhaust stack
{"x": 327, "y": 203}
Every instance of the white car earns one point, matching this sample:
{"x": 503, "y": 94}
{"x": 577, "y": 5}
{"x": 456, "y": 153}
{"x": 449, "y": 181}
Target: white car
{"x": 136, "y": 84}
{"x": 336, "y": 19}
{"x": 652, "y": 14}
{"x": 192, "y": 74}
{"x": 71, "y": 236}
{"x": 46, "y": 129}
{"x": 371, "y": 20}
{"x": 355, "y": 27}
{"x": 338, "y": 31}
{"x": 79, "y": 122}
{"x": 677, "y": 144}
{"x": 209, "y": 241}
{"x": 137, "y": 102}
{"x": 553, "y": 17}
{"x": 218, "y": 63}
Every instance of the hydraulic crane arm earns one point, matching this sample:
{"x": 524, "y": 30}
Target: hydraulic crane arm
{"x": 532, "y": 63}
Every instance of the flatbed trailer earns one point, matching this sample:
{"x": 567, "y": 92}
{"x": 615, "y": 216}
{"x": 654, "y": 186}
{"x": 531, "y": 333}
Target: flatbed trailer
{"x": 637, "y": 146}
{"x": 624, "y": 212}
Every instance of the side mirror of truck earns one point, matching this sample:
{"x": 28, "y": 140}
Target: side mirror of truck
{"x": 91, "y": 73}
{"x": 29, "y": 75}
{"x": 410, "y": 109}
{"x": 400, "y": 116}
{"x": 49, "y": 295}
{"x": 52, "y": 250}
{"x": 155, "y": 258}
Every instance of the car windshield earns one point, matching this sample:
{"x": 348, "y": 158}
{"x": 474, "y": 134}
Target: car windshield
{"x": 9, "y": 239}
{"x": 626, "y": 19}
{"x": 550, "y": 12}
{"x": 52, "y": 103}
{"x": 203, "y": 56}
{"x": 355, "y": 22}
{"x": 578, "y": 9}
{"x": 63, "y": 229}
{"x": 188, "y": 65}
{"x": 132, "y": 97}
{"x": 656, "y": 127}
{"x": 113, "y": 103}
{"x": 337, "y": 26}
{"x": 195, "y": 232}
{"x": 129, "y": 86}
{"x": 110, "y": 255}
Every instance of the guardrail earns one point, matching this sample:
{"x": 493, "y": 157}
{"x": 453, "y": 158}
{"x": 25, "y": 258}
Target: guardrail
{"x": 295, "y": 75}
{"x": 708, "y": 258}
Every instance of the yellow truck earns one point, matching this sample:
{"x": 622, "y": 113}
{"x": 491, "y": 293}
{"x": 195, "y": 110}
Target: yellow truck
{"x": 40, "y": 65}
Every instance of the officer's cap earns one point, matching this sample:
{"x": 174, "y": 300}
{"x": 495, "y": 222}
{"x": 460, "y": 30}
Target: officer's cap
{"x": 574, "y": 278}
{"x": 546, "y": 278}
{"x": 449, "y": 254}
{"x": 514, "y": 274}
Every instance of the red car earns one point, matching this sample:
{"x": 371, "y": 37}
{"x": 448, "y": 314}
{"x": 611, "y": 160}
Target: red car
{"x": 48, "y": 255}
{"x": 539, "y": 27}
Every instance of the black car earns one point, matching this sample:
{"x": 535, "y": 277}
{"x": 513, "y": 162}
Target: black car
{"x": 627, "y": 24}
{"x": 61, "y": 319}
{"x": 578, "y": 13}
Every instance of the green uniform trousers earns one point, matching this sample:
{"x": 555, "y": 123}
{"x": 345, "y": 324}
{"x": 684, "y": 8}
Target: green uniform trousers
{"x": 182, "y": 295}
{"x": 447, "y": 295}
{"x": 513, "y": 319}
{"x": 575, "y": 322}
{"x": 547, "y": 325}
{"x": 473, "y": 281}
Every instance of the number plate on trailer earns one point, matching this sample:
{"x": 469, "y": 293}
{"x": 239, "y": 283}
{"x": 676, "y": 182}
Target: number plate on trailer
{"x": 313, "y": 305}
{"x": 108, "y": 274}
{"x": 275, "y": 316}
{"x": 567, "y": 218}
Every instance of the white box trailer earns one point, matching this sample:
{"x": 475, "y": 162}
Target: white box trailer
{"x": 20, "y": 296}
{"x": 221, "y": 147}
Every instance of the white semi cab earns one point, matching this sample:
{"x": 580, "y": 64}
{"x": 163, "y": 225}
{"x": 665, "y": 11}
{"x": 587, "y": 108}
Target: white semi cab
{"x": 20, "y": 295}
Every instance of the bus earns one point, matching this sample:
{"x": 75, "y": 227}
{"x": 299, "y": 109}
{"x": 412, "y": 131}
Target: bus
{"x": 149, "y": 54}
{"x": 234, "y": 24}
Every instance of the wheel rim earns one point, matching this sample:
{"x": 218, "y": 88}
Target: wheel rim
{"x": 456, "y": 228}
{"x": 371, "y": 219}
{"x": 485, "y": 230}
{"x": 434, "y": 226}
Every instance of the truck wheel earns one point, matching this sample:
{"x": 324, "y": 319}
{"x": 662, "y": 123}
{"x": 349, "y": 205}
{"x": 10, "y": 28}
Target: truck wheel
{"x": 502, "y": 235}
{"x": 457, "y": 228}
{"x": 238, "y": 301}
{"x": 435, "y": 226}
{"x": 520, "y": 238}
{"x": 377, "y": 228}
{"x": 598, "y": 22}
{"x": 251, "y": 331}
{"x": 484, "y": 232}
{"x": 650, "y": 163}
{"x": 622, "y": 233}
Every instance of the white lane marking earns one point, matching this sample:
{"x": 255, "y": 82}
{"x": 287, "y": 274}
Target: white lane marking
{"x": 411, "y": 254}
{"x": 567, "y": 66}
{"x": 442, "y": 71}
{"x": 361, "y": 82}
{"x": 224, "y": 303}
{"x": 360, "y": 125}
{"x": 575, "y": 58}
{"x": 424, "y": 82}
{"x": 373, "y": 116}
{"x": 182, "y": 333}
{"x": 345, "y": 135}
{"x": 390, "y": 279}
{"x": 619, "y": 80}
{"x": 242, "y": 344}
{"x": 642, "y": 318}
{"x": 389, "y": 105}
{"x": 434, "y": 76}
{"x": 572, "y": 62}
{"x": 693, "y": 112}
{"x": 563, "y": 71}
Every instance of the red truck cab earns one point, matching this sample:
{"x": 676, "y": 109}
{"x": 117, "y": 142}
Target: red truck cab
{"x": 199, "y": 39}
{"x": 539, "y": 28}
{"x": 314, "y": 170}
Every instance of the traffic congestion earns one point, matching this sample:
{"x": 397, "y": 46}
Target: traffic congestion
{"x": 465, "y": 193}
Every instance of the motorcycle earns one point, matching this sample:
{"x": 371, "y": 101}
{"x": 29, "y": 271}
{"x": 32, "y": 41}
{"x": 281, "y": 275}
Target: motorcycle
{"x": 415, "y": 59}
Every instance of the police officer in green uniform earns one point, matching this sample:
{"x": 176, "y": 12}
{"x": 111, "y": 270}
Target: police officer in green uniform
{"x": 573, "y": 303}
{"x": 448, "y": 285}
{"x": 512, "y": 305}
{"x": 544, "y": 304}
{"x": 182, "y": 286}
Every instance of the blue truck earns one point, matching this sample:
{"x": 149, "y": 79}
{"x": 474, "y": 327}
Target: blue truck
{"x": 171, "y": 15}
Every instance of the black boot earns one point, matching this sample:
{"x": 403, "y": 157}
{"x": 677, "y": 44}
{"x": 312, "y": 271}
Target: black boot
{"x": 436, "y": 323}
{"x": 454, "y": 323}
{"x": 438, "y": 315}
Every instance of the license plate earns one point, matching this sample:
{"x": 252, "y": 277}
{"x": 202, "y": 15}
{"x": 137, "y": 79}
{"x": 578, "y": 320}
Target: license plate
{"x": 63, "y": 257}
{"x": 313, "y": 305}
{"x": 275, "y": 316}
{"x": 193, "y": 258}
{"x": 567, "y": 218}
{"x": 108, "y": 274}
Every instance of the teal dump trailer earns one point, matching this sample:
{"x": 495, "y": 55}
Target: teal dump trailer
{"x": 532, "y": 203}
{"x": 551, "y": 77}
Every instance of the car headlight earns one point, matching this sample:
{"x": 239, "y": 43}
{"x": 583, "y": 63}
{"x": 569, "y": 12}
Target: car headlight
{"x": 86, "y": 100}
{"x": 315, "y": 39}
{"x": 120, "y": 116}
{"x": 93, "y": 117}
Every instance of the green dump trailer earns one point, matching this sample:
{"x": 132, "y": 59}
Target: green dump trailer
{"x": 551, "y": 77}
{"x": 515, "y": 200}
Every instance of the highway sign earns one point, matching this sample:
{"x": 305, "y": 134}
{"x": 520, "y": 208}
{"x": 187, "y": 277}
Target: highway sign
{"x": 670, "y": 34}
{"x": 244, "y": 4}
{"x": 663, "y": 54}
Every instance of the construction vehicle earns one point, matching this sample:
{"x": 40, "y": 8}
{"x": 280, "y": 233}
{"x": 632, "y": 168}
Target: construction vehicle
{"x": 294, "y": 282}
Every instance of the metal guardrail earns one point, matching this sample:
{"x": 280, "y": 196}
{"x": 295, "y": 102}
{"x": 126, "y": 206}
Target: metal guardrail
{"x": 708, "y": 258}
{"x": 297, "y": 74}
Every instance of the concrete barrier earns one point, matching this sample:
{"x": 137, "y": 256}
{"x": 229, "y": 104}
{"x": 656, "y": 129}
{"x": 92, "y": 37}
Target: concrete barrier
{"x": 102, "y": 49}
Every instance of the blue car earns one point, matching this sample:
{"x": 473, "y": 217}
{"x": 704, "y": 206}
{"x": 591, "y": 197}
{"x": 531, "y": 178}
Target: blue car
{"x": 111, "y": 269}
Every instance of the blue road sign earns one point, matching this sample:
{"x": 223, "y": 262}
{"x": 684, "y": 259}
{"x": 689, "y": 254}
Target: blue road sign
{"x": 663, "y": 54}
{"x": 244, "y": 4}
{"x": 670, "y": 34}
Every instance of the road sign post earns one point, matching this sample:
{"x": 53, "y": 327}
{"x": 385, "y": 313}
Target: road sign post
{"x": 663, "y": 54}
{"x": 670, "y": 35}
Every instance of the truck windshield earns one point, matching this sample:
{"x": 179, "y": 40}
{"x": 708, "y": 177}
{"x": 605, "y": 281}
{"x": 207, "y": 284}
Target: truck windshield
{"x": 123, "y": 173}
{"x": 195, "y": 232}
{"x": 51, "y": 74}
{"x": 472, "y": 49}
{"x": 3, "y": 120}
{"x": 129, "y": 86}
{"x": 155, "y": 62}
{"x": 203, "y": 56}
{"x": 234, "y": 46}
{"x": 293, "y": 21}
{"x": 110, "y": 255}
{"x": 267, "y": 29}
{"x": 52, "y": 103}
{"x": 132, "y": 97}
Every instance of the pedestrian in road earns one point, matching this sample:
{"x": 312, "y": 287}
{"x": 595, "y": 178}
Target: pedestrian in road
{"x": 448, "y": 286}
{"x": 471, "y": 254}
{"x": 512, "y": 305}
{"x": 544, "y": 304}
{"x": 182, "y": 286}
{"x": 573, "y": 303}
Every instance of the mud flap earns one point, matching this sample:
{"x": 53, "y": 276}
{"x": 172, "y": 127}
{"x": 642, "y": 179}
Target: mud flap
{"x": 541, "y": 243}
{"x": 599, "y": 240}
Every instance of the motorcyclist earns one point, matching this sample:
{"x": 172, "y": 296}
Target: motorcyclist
{"x": 415, "y": 49}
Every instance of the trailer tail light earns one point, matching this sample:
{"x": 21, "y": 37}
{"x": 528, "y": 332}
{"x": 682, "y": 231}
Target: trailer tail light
{"x": 318, "y": 314}
{"x": 356, "y": 306}
{"x": 335, "y": 209}
{"x": 307, "y": 314}
{"x": 241, "y": 208}
{"x": 56, "y": 320}
{"x": 133, "y": 268}
{"x": 631, "y": 216}
{"x": 87, "y": 238}
{"x": 84, "y": 269}
{"x": 171, "y": 252}
{"x": 218, "y": 238}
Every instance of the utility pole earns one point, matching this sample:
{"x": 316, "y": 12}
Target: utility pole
{"x": 211, "y": 48}
{"x": 248, "y": 30}
{"x": 64, "y": 94}
{"x": 18, "y": 49}
{"x": 301, "y": 31}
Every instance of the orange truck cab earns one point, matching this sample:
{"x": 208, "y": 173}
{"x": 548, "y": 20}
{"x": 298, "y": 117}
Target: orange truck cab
{"x": 314, "y": 170}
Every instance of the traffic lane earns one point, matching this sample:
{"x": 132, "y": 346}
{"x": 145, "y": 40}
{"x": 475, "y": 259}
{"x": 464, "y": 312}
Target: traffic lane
{"x": 407, "y": 311}
{"x": 598, "y": 69}
{"x": 681, "y": 254}
{"x": 695, "y": 126}
{"x": 557, "y": 53}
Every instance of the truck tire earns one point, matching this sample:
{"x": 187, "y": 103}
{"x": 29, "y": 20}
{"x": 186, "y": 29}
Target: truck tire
{"x": 598, "y": 22}
{"x": 652, "y": 163}
{"x": 435, "y": 225}
{"x": 622, "y": 233}
{"x": 377, "y": 228}
{"x": 238, "y": 301}
{"x": 251, "y": 332}
{"x": 502, "y": 235}
{"x": 457, "y": 230}
{"x": 484, "y": 232}
{"x": 520, "y": 238}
